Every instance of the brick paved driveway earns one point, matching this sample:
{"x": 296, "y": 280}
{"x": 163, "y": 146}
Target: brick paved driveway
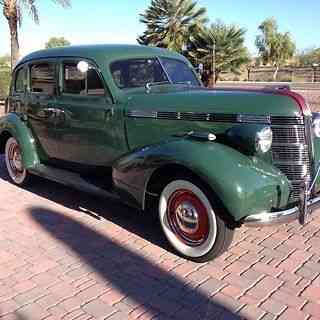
{"x": 66, "y": 255}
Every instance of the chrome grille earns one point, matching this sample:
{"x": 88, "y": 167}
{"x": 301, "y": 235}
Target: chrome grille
{"x": 290, "y": 152}
{"x": 288, "y": 134}
{"x": 296, "y": 153}
{"x": 286, "y": 120}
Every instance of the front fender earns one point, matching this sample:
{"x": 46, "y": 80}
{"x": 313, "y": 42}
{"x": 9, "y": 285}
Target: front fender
{"x": 245, "y": 185}
{"x": 13, "y": 124}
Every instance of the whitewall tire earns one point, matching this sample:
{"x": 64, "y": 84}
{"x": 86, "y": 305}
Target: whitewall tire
{"x": 190, "y": 223}
{"x": 13, "y": 158}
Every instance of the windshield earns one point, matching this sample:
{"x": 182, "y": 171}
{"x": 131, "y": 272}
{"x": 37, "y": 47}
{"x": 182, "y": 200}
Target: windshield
{"x": 134, "y": 73}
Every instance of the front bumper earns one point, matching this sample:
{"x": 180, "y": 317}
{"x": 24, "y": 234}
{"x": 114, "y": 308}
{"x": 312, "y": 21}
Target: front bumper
{"x": 281, "y": 217}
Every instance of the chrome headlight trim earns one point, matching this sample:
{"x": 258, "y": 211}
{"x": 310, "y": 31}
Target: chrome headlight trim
{"x": 316, "y": 124}
{"x": 263, "y": 141}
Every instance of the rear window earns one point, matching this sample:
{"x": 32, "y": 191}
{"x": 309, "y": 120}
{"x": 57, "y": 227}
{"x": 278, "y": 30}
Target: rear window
{"x": 43, "y": 78}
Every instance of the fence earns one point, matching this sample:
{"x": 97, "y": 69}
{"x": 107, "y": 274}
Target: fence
{"x": 285, "y": 74}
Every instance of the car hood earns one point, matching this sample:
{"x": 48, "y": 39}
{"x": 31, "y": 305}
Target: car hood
{"x": 214, "y": 101}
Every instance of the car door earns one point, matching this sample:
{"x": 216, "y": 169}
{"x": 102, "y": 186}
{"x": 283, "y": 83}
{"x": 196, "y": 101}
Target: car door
{"x": 40, "y": 100}
{"x": 88, "y": 126}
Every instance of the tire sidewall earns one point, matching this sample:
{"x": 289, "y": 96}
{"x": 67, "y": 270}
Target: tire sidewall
{"x": 183, "y": 249}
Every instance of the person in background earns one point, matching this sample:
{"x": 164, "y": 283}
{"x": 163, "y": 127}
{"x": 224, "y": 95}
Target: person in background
{"x": 205, "y": 78}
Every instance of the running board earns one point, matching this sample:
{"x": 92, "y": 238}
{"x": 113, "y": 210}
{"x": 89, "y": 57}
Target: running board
{"x": 71, "y": 179}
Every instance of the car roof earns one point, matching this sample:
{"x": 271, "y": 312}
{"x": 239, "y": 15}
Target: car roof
{"x": 107, "y": 52}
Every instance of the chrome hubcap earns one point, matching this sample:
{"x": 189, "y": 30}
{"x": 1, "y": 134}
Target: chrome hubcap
{"x": 17, "y": 160}
{"x": 187, "y": 217}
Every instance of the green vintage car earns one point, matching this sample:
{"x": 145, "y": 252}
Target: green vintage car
{"x": 135, "y": 123}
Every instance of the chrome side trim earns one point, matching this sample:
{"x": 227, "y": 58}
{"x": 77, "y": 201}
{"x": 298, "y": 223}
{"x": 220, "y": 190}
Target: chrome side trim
{"x": 280, "y": 217}
{"x": 142, "y": 114}
{"x": 217, "y": 117}
{"x": 249, "y": 118}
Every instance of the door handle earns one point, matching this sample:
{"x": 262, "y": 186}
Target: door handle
{"x": 50, "y": 110}
{"x": 108, "y": 112}
{"x": 47, "y": 113}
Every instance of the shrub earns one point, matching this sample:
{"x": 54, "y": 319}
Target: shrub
{"x": 5, "y": 77}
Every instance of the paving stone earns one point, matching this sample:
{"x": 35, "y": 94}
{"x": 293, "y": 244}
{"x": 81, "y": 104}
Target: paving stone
{"x": 48, "y": 269}
{"x": 227, "y": 302}
{"x": 32, "y": 311}
{"x": 273, "y": 306}
{"x": 288, "y": 299}
{"x": 97, "y": 308}
{"x": 308, "y": 273}
{"x": 295, "y": 314}
{"x": 8, "y": 307}
{"x": 211, "y": 286}
{"x": 312, "y": 292}
{"x": 250, "y": 312}
{"x": 30, "y": 296}
{"x": 312, "y": 308}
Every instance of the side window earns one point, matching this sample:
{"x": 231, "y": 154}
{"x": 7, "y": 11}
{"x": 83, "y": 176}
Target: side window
{"x": 19, "y": 80}
{"x": 43, "y": 78}
{"x": 82, "y": 83}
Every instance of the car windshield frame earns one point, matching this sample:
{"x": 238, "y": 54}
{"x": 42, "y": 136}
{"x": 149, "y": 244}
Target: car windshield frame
{"x": 167, "y": 81}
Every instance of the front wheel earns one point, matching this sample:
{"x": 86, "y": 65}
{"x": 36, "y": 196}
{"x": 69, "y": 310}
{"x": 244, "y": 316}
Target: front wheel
{"x": 13, "y": 157}
{"x": 190, "y": 223}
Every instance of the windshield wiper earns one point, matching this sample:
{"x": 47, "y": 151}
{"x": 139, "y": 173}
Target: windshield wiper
{"x": 149, "y": 85}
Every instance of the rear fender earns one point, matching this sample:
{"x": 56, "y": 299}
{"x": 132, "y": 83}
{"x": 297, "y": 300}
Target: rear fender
{"x": 245, "y": 185}
{"x": 13, "y": 125}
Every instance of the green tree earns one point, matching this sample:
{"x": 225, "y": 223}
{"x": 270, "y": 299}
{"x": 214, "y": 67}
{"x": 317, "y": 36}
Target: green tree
{"x": 55, "y": 42}
{"x": 309, "y": 57}
{"x": 221, "y": 48}
{"x": 13, "y": 11}
{"x": 275, "y": 48}
{"x": 169, "y": 23}
{"x": 5, "y": 75}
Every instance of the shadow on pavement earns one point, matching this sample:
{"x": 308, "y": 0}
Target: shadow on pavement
{"x": 141, "y": 281}
{"x": 99, "y": 208}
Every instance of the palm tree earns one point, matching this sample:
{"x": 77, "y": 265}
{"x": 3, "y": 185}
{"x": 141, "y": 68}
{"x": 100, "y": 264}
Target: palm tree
{"x": 221, "y": 48}
{"x": 13, "y": 12}
{"x": 170, "y": 22}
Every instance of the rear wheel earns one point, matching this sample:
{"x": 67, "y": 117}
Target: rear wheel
{"x": 190, "y": 222}
{"x": 13, "y": 157}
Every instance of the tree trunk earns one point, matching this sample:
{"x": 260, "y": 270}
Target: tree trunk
{"x": 10, "y": 11}
{"x": 275, "y": 73}
{"x": 217, "y": 75}
{"x": 13, "y": 26}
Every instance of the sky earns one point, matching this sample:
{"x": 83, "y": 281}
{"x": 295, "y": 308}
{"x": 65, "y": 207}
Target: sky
{"x": 100, "y": 21}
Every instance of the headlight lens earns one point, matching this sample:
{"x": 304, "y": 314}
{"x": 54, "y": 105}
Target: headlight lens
{"x": 316, "y": 124}
{"x": 263, "y": 140}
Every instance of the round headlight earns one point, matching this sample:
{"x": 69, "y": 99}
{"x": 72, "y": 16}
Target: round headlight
{"x": 316, "y": 124}
{"x": 264, "y": 140}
